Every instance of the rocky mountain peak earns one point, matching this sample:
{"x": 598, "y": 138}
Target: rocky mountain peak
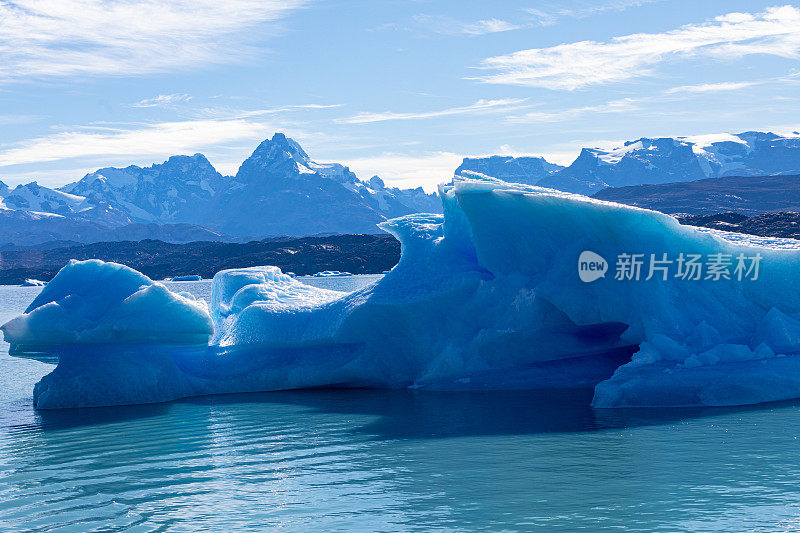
{"x": 279, "y": 155}
{"x": 376, "y": 183}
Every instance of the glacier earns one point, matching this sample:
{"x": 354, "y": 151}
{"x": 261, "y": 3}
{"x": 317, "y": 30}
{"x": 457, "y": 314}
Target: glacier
{"x": 486, "y": 296}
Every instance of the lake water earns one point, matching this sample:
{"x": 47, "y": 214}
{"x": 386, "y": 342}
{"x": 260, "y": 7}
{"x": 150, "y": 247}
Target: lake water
{"x": 388, "y": 460}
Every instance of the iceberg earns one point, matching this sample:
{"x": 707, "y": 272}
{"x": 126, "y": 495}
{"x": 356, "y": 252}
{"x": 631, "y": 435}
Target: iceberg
{"x": 190, "y": 277}
{"x": 513, "y": 287}
{"x": 93, "y": 302}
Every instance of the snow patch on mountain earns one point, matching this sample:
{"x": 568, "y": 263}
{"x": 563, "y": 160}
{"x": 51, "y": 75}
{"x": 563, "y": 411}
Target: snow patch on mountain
{"x": 35, "y": 197}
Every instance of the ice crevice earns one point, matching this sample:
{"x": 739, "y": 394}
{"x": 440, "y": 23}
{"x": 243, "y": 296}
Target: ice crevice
{"x": 486, "y": 296}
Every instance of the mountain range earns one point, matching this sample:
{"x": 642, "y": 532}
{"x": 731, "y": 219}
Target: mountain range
{"x": 278, "y": 190}
{"x": 653, "y": 161}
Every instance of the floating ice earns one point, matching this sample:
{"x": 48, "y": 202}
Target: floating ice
{"x": 191, "y": 277}
{"x": 92, "y": 302}
{"x": 488, "y": 296}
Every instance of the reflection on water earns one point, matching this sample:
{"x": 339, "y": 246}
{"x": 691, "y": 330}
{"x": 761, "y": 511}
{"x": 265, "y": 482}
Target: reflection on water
{"x": 401, "y": 460}
{"x": 322, "y": 460}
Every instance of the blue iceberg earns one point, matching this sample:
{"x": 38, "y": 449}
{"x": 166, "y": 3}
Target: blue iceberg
{"x": 513, "y": 287}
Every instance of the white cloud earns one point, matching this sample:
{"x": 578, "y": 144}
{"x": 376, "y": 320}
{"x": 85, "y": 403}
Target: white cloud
{"x": 775, "y": 31}
{"x": 163, "y": 100}
{"x": 481, "y": 106}
{"x": 623, "y": 105}
{"x": 408, "y": 171}
{"x": 125, "y": 37}
{"x": 712, "y": 87}
{"x": 285, "y": 109}
{"x": 162, "y": 139}
{"x": 6, "y": 120}
{"x": 547, "y": 16}
{"x": 542, "y": 18}
{"x": 483, "y": 27}
{"x": 450, "y": 26}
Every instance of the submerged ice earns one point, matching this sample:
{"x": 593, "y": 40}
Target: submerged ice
{"x": 487, "y": 296}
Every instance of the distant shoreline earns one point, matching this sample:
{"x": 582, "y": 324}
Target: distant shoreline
{"x": 357, "y": 254}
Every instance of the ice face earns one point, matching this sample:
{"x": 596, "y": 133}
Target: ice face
{"x": 489, "y": 295}
{"x": 702, "y": 342}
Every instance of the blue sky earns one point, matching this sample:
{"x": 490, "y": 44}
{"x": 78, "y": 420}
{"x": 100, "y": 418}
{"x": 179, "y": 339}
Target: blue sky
{"x": 403, "y": 89}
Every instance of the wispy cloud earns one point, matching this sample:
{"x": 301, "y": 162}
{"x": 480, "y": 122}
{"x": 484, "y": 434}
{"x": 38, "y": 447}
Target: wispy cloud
{"x": 96, "y": 37}
{"x": 775, "y": 31}
{"x": 406, "y": 170}
{"x": 643, "y": 104}
{"x": 482, "y": 27}
{"x": 163, "y": 100}
{"x": 481, "y": 106}
{"x": 548, "y": 15}
{"x": 6, "y": 120}
{"x": 163, "y": 139}
{"x": 450, "y": 26}
{"x": 623, "y": 105}
{"x": 541, "y": 17}
{"x": 285, "y": 109}
{"x": 712, "y": 87}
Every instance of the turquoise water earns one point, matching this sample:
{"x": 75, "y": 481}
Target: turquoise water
{"x": 388, "y": 461}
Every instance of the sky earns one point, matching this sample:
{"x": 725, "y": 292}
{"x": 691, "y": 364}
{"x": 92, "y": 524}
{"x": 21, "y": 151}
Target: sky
{"x": 401, "y": 89}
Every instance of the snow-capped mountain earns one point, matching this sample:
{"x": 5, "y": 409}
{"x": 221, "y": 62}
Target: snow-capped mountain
{"x": 529, "y": 170}
{"x": 35, "y": 197}
{"x": 653, "y": 161}
{"x": 178, "y": 190}
{"x": 278, "y": 190}
{"x": 668, "y": 160}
